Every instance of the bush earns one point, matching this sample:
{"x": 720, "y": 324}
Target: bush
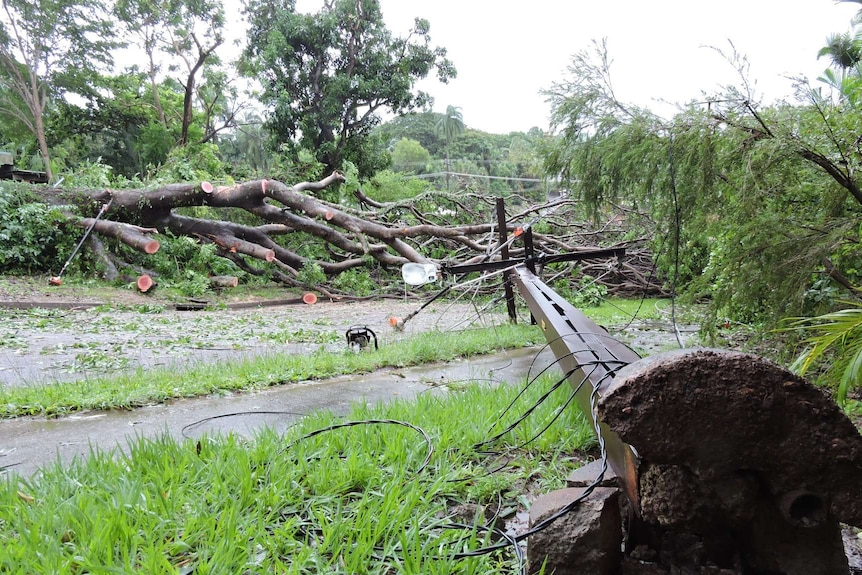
{"x": 192, "y": 163}
{"x": 33, "y": 235}
{"x": 356, "y": 282}
{"x": 387, "y": 186}
{"x": 311, "y": 274}
{"x": 586, "y": 292}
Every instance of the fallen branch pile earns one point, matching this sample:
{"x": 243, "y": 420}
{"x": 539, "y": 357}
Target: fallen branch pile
{"x": 292, "y": 222}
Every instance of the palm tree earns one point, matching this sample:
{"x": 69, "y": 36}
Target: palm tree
{"x": 451, "y": 125}
{"x": 844, "y": 50}
{"x": 845, "y": 55}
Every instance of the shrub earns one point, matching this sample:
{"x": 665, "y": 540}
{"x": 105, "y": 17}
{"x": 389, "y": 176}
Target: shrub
{"x": 586, "y": 292}
{"x": 33, "y": 235}
{"x": 387, "y": 186}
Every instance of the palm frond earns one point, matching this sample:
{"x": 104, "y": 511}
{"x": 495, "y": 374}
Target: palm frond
{"x": 838, "y": 333}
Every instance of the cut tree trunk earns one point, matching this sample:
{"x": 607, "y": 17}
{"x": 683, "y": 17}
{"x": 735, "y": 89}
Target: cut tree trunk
{"x": 145, "y": 283}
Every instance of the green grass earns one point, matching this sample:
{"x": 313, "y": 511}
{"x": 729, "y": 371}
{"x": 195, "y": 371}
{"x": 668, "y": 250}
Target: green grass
{"x": 137, "y": 388}
{"x": 349, "y": 500}
{"x": 616, "y": 311}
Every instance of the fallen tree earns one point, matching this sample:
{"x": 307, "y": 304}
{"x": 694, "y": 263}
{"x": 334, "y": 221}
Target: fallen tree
{"x": 433, "y": 228}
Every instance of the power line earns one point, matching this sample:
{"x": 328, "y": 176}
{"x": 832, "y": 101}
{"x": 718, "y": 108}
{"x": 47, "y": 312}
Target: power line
{"x": 480, "y": 176}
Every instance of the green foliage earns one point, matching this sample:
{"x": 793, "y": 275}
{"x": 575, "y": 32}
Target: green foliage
{"x": 245, "y": 151}
{"x": 356, "y": 282}
{"x": 154, "y": 143}
{"x": 192, "y": 163}
{"x": 49, "y": 49}
{"x": 585, "y": 293}
{"x": 34, "y": 237}
{"x": 834, "y": 347}
{"x": 510, "y": 159}
{"x": 182, "y": 264}
{"x": 311, "y": 274}
{"x": 88, "y": 174}
{"x": 748, "y": 202}
{"x": 409, "y": 157}
{"x": 451, "y": 124}
{"x": 387, "y": 186}
{"x": 186, "y": 33}
{"x": 290, "y": 165}
{"x": 418, "y": 126}
{"x": 319, "y": 107}
{"x": 121, "y": 129}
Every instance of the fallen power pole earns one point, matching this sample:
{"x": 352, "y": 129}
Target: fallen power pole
{"x": 589, "y": 357}
{"x": 730, "y": 463}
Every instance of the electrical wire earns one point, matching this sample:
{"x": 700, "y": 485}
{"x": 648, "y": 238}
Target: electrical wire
{"x": 589, "y": 368}
{"x": 447, "y": 288}
{"x": 511, "y": 541}
{"x": 186, "y": 428}
{"x": 576, "y": 389}
{"x": 542, "y": 525}
{"x": 525, "y": 414}
{"x": 419, "y": 430}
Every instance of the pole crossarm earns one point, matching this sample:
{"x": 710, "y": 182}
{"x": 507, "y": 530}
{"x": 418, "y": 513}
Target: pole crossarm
{"x": 540, "y": 259}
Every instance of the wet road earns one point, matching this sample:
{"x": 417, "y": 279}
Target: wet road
{"x": 29, "y": 443}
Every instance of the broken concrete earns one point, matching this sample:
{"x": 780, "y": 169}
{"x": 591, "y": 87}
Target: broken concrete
{"x": 586, "y": 540}
{"x": 744, "y": 465}
{"x": 586, "y": 475}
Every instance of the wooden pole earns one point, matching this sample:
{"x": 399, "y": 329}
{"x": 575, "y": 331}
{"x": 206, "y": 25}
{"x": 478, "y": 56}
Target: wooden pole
{"x": 504, "y": 253}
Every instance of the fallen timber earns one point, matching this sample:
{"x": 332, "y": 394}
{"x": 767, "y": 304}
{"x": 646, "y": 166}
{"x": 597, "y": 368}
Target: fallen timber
{"x": 729, "y": 463}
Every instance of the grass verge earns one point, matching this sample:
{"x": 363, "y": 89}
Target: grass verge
{"x": 350, "y": 499}
{"x": 140, "y": 387}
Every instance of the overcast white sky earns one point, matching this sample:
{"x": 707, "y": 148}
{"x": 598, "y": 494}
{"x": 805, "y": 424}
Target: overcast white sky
{"x": 507, "y": 51}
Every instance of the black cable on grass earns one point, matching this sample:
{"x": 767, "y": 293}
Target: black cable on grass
{"x": 534, "y": 379}
{"x": 560, "y": 410}
{"x": 511, "y": 541}
{"x": 542, "y": 525}
{"x": 415, "y": 428}
{"x": 595, "y": 365}
{"x": 519, "y": 553}
{"x": 185, "y": 428}
{"x": 525, "y": 414}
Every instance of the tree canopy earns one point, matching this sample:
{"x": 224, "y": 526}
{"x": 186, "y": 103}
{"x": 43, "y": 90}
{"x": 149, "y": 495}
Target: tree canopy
{"x": 328, "y": 76}
{"x": 757, "y": 207}
{"x": 49, "y": 49}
